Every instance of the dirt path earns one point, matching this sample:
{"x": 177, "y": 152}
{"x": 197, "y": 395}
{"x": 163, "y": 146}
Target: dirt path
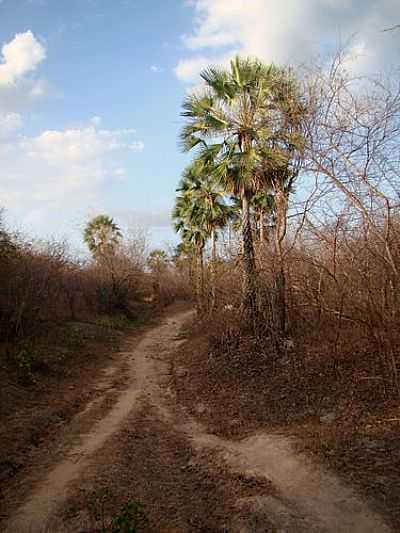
{"x": 305, "y": 497}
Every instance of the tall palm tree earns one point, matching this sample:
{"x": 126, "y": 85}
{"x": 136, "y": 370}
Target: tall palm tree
{"x": 226, "y": 124}
{"x": 232, "y": 125}
{"x": 102, "y": 236}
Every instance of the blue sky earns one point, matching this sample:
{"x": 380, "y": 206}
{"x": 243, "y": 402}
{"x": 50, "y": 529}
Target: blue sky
{"x": 90, "y": 93}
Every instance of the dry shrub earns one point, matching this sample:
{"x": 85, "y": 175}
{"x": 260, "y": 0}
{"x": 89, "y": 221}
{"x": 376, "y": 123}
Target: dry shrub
{"x": 172, "y": 285}
{"x": 343, "y": 296}
{"x": 36, "y": 281}
{"x": 342, "y": 347}
{"x": 118, "y": 282}
{"x": 43, "y": 283}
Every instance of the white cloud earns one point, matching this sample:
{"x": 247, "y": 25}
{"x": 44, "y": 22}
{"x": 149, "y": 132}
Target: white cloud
{"x": 61, "y": 169}
{"x": 25, "y": 95}
{"x": 136, "y": 218}
{"x": 19, "y": 90}
{"x": 21, "y": 55}
{"x": 155, "y": 69}
{"x": 137, "y": 146}
{"x": 120, "y": 173}
{"x": 9, "y": 122}
{"x": 289, "y": 31}
{"x": 96, "y": 120}
{"x": 188, "y": 70}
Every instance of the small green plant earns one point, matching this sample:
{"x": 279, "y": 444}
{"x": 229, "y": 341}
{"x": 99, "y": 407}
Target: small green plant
{"x": 96, "y": 503}
{"x": 26, "y": 359}
{"x": 130, "y": 518}
{"x": 120, "y": 322}
{"x": 74, "y": 339}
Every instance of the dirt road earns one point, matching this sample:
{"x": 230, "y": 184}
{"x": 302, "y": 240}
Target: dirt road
{"x": 302, "y": 496}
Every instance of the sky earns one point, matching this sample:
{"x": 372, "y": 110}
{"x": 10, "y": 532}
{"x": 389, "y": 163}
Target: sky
{"x": 91, "y": 91}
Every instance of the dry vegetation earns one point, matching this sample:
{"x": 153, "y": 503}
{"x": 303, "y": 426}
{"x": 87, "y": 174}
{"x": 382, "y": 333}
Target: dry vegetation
{"x": 330, "y": 374}
{"x": 61, "y": 321}
{"x": 318, "y": 355}
{"x": 332, "y": 380}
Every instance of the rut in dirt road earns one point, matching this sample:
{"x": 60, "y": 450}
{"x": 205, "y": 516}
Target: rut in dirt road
{"x": 50, "y": 493}
{"x": 310, "y": 500}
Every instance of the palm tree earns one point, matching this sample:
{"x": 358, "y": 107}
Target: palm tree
{"x": 158, "y": 262}
{"x": 207, "y": 209}
{"x": 102, "y": 236}
{"x": 226, "y": 124}
{"x": 183, "y": 258}
{"x": 236, "y": 125}
{"x": 186, "y": 223}
{"x": 262, "y": 205}
{"x": 209, "y": 201}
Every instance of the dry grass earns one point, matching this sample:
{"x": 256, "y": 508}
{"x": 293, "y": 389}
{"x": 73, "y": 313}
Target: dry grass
{"x": 332, "y": 379}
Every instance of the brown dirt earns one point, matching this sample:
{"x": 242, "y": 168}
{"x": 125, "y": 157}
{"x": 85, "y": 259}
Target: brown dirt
{"x": 145, "y": 444}
{"x": 36, "y": 409}
{"x": 242, "y": 393}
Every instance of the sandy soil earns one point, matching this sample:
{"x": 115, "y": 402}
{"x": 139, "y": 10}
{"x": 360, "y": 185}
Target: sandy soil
{"x": 188, "y": 478}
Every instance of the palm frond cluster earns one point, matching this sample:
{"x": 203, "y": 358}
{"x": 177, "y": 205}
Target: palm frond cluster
{"x": 246, "y": 131}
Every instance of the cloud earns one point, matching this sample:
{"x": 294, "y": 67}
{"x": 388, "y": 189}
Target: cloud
{"x": 62, "y": 169}
{"x": 188, "y": 70}
{"x": 25, "y": 95}
{"x": 95, "y": 121}
{"x": 144, "y": 219}
{"x": 9, "y": 122}
{"x": 289, "y": 31}
{"x": 19, "y": 90}
{"x": 156, "y": 69}
{"x": 21, "y": 55}
{"x": 137, "y": 146}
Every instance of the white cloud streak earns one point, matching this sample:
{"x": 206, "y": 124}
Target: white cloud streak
{"x": 9, "y": 122}
{"x": 62, "y": 168}
{"x": 289, "y": 31}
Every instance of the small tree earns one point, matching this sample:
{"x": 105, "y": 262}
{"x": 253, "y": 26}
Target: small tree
{"x": 102, "y": 236}
{"x": 158, "y": 263}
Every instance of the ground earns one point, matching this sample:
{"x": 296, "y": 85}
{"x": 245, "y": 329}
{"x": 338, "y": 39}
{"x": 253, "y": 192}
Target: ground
{"x": 152, "y": 433}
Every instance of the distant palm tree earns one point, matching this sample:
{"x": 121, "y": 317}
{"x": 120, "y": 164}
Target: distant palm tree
{"x": 208, "y": 201}
{"x": 188, "y": 224}
{"x": 208, "y": 209}
{"x": 157, "y": 261}
{"x": 102, "y": 236}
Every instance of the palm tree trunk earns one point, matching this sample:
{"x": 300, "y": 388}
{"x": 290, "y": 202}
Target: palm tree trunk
{"x": 201, "y": 258}
{"x": 262, "y": 236}
{"x": 199, "y": 278}
{"x": 213, "y": 267}
{"x": 280, "y": 305}
{"x": 249, "y": 264}
{"x": 229, "y": 237}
